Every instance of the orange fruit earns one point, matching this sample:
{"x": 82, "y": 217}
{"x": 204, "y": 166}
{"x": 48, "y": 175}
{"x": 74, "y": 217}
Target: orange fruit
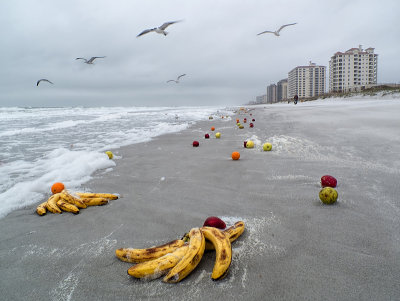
{"x": 235, "y": 156}
{"x": 57, "y": 187}
{"x": 212, "y": 128}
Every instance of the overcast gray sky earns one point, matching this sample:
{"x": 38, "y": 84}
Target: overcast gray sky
{"x": 216, "y": 45}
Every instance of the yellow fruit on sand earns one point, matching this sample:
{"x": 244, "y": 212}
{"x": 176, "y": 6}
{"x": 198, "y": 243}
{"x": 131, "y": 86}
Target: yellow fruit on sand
{"x": 328, "y": 195}
{"x": 109, "y": 154}
{"x": 218, "y": 135}
{"x": 267, "y": 146}
{"x": 249, "y": 144}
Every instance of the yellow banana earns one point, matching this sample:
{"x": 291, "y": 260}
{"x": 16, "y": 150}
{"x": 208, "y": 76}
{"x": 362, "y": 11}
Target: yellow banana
{"x": 223, "y": 251}
{"x": 72, "y": 200}
{"x": 157, "y": 267}
{"x": 65, "y": 206}
{"x": 190, "y": 260}
{"x": 97, "y": 195}
{"x": 52, "y": 203}
{"x": 94, "y": 201}
{"x": 141, "y": 255}
{"x": 233, "y": 233}
{"x": 41, "y": 209}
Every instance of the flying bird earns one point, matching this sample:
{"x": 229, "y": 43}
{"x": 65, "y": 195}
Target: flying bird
{"x": 276, "y": 32}
{"x": 90, "y": 61}
{"x": 43, "y": 80}
{"x": 177, "y": 79}
{"x": 160, "y": 30}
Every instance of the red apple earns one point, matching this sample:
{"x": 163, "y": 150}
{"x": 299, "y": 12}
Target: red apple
{"x": 215, "y": 222}
{"x": 251, "y": 125}
{"x": 328, "y": 181}
{"x": 253, "y": 120}
{"x": 206, "y": 136}
{"x": 196, "y": 143}
{"x": 244, "y": 143}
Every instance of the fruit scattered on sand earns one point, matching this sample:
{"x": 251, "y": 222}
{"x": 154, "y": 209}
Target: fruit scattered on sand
{"x": 250, "y": 144}
{"x": 57, "y": 187}
{"x": 267, "y": 146}
{"x": 328, "y": 195}
{"x": 215, "y": 222}
{"x": 328, "y": 181}
{"x": 110, "y": 154}
{"x": 196, "y": 143}
{"x": 235, "y": 156}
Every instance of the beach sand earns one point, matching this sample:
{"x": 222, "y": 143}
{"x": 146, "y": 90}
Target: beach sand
{"x": 294, "y": 247}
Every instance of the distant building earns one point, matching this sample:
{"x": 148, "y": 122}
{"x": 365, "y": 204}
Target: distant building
{"x": 282, "y": 90}
{"x": 261, "y": 99}
{"x": 307, "y": 81}
{"x": 353, "y": 70}
{"x": 271, "y": 93}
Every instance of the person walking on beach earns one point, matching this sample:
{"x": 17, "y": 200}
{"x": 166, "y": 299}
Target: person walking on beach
{"x": 296, "y": 98}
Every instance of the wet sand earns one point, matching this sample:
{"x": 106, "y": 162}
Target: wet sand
{"x": 294, "y": 247}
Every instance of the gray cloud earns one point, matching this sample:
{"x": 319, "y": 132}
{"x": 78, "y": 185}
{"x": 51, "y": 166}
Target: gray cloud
{"x": 216, "y": 46}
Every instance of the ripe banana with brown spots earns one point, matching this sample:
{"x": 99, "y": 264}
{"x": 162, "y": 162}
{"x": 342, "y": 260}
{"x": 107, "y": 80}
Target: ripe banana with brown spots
{"x": 97, "y": 195}
{"x": 94, "y": 201}
{"x": 190, "y": 260}
{"x": 65, "y": 206}
{"x": 141, "y": 255}
{"x": 157, "y": 267}
{"x": 51, "y": 204}
{"x": 41, "y": 209}
{"x": 72, "y": 200}
{"x": 223, "y": 251}
{"x": 233, "y": 233}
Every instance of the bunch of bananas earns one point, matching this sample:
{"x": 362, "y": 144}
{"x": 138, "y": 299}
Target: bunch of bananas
{"x": 176, "y": 259}
{"x": 64, "y": 201}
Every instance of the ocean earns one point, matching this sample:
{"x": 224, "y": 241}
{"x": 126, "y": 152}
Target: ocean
{"x": 41, "y": 146}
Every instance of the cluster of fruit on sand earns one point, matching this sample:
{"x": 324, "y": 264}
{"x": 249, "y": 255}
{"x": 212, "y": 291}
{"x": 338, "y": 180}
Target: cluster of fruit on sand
{"x": 61, "y": 200}
{"x": 178, "y": 258}
{"x": 328, "y": 194}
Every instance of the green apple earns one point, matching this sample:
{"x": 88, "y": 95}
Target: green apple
{"x": 249, "y": 144}
{"x": 328, "y": 195}
{"x": 109, "y": 154}
{"x": 267, "y": 146}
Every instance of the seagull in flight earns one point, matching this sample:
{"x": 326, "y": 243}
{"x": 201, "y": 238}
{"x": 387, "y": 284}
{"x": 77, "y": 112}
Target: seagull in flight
{"x": 90, "y": 61}
{"x": 277, "y": 32}
{"x": 43, "y": 80}
{"x": 177, "y": 79}
{"x": 160, "y": 30}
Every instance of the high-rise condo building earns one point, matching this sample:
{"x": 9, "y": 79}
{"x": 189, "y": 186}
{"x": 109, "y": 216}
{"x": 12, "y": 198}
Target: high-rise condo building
{"x": 271, "y": 93}
{"x": 282, "y": 90}
{"x": 307, "y": 81}
{"x": 353, "y": 70}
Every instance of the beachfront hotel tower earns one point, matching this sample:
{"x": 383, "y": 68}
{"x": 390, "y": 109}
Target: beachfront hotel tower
{"x": 353, "y": 70}
{"x": 306, "y": 81}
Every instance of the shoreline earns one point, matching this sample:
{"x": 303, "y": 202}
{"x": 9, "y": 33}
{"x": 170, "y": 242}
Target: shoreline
{"x": 293, "y": 247}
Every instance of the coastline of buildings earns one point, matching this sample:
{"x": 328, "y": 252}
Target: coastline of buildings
{"x": 350, "y": 71}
